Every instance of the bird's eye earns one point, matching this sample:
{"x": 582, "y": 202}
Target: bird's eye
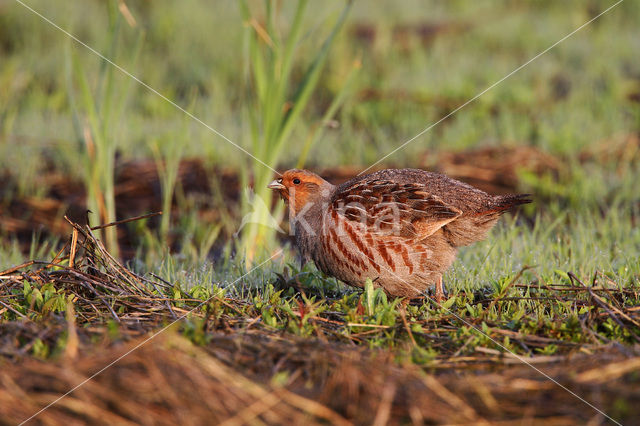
{"x": 296, "y": 181}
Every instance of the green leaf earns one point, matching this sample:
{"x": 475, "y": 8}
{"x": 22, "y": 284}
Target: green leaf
{"x": 309, "y": 83}
{"x": 449, "y": 302}
{"x": 370, "y": 297}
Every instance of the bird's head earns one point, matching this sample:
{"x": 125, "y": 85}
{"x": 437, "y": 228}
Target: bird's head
{"x": 300, "y": 187}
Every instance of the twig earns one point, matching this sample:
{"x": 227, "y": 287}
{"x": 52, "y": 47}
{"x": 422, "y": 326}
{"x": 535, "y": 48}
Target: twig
{"x": 74, "y": 243}
{"x": 403, "y": 315}
{"x": 120, "y": 222}
{"x": 16, "y": 268}
{"x": 607, "y": 307}
{"x": 166, "y": 301}
{"x": 9, "y": 307}
{"x": 508, "y": 286}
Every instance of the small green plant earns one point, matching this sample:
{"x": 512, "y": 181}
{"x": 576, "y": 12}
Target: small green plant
{"x": 279, "y": 102}
{"x": 97, "y": 114}
{"x": 167, "y": 153}
{"x": 40, "y": 349}
{"x": 167, "y": 160}
{"x": 548, "y": 350}
{"x": 46, "y": 299}
{"x": 378, "y": 309}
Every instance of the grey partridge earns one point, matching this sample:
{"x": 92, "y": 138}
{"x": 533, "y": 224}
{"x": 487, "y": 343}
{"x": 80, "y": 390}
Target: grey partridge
{"x": 399, "y": 227}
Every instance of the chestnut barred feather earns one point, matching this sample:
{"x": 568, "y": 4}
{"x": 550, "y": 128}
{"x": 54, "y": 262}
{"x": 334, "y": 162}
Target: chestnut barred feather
{"x": 389, "y": 207}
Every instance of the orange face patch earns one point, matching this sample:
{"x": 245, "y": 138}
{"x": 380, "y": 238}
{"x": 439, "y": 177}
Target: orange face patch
{"x": 299, "y": 188}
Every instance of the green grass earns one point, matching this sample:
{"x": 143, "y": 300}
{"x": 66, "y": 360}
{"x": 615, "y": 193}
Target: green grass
{"x": 510, "y": 283}
{"x": 527, "y": 283}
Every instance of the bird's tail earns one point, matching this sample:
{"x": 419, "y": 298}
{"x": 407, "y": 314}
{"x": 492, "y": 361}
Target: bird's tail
{"x": 502, "y": 203}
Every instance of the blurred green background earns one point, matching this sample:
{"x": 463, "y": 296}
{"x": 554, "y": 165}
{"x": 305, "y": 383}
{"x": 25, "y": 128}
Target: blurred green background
{"x": 419, "y": 59}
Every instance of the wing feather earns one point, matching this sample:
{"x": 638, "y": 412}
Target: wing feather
{"x": 388, "y": 207}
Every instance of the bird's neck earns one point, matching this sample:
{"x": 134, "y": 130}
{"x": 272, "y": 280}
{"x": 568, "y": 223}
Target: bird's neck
{"x": 307, "y": 219}
{"x": 306, "y": 225}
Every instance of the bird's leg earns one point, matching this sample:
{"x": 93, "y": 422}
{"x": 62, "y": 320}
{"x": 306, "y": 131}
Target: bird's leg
{"x": 439, "y": 290}
{"x": 285, "y": 281}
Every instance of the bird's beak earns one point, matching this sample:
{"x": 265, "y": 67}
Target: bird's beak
{"x": 277, "y": 185}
